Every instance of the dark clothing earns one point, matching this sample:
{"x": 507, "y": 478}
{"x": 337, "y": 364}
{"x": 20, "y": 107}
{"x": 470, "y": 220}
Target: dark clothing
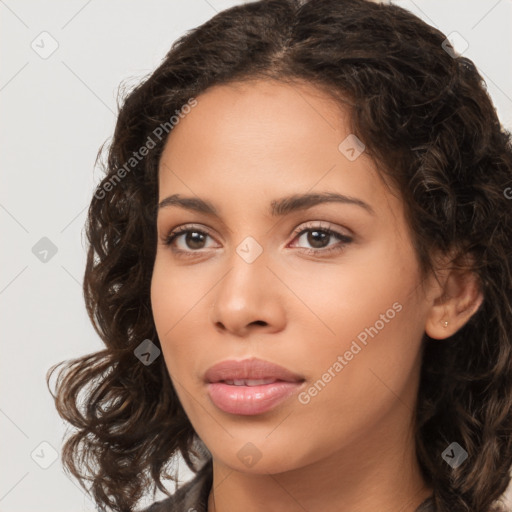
{"x": 193, "y": 496}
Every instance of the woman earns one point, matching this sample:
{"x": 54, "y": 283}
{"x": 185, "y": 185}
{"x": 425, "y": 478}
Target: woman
{"x": 300, "y": 264}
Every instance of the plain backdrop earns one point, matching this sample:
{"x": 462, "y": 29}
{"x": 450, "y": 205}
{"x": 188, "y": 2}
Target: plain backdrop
{"x": 61, "y": 65}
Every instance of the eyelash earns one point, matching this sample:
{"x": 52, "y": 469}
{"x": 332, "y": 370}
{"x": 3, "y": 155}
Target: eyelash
{"x": 344, "y": 239}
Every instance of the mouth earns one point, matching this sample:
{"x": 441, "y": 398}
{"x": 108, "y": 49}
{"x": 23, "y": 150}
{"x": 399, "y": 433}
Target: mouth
{"x": 250, "y": 372}
{"x": 250, "y": 382}
{"x": 251, "y": 386}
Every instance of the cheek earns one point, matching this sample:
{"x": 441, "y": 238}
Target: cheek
{"x": 174, "y": 292}
{"x": 371, "y": 306}
{"x": 351, "y": 296}
{"x": 382, "y": 274}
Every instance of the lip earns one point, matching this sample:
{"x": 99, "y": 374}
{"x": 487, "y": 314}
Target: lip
{"x": 250, "y": 400}
{"x": 252, "y": 368}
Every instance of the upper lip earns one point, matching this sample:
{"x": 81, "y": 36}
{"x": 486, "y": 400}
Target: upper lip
{"x": 253, "y": 368}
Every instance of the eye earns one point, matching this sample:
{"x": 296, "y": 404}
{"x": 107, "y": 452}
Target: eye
{"x": 191, "y": 237}
{"x": 318, "y": 237}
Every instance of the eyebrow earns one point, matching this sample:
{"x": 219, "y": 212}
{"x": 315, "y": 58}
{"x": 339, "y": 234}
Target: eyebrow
{"x": 278, "y": 207}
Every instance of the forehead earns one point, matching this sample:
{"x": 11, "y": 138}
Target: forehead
{"x": 252, "y": 115}
{"x": 245, "y": 140}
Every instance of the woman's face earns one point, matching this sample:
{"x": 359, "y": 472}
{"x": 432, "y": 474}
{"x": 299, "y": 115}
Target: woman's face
{"x": 344, "y": 312}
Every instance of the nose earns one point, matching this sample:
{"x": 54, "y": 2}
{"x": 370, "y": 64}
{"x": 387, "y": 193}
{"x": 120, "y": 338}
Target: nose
{"x": 249, "y": 298}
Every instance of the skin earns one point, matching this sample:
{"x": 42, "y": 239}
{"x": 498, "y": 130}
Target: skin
{"x": 351, "y": 447}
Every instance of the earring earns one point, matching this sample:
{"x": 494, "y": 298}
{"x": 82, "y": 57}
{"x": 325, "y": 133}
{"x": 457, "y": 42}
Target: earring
{"x": 446, "y": 323}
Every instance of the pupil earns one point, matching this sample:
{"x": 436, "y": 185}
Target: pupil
{"x": 193, "y": 238}
{"x": 314, "y": 242}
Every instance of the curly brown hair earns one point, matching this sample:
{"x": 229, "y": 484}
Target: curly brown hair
{"x": 425, "y": 117}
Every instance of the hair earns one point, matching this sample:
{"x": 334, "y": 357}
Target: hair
{"x": 426, "y": 120}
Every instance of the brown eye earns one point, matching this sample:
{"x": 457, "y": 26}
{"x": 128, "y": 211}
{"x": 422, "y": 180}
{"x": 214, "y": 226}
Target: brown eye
{"x": 190, "y": 239}
{"x": 318, "y": 238}
{"x": 194, "y": 239}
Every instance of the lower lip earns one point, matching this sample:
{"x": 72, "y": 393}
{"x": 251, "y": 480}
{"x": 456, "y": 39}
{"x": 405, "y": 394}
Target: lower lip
{"x": 249, "y": 400}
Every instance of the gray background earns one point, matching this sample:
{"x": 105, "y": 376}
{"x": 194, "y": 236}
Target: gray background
{"x": 56, "y": 112}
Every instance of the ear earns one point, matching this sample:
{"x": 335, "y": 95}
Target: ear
{"x": 456, "y": 297}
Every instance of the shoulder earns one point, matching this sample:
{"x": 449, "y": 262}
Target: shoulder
{"x": 192, "y": 496}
